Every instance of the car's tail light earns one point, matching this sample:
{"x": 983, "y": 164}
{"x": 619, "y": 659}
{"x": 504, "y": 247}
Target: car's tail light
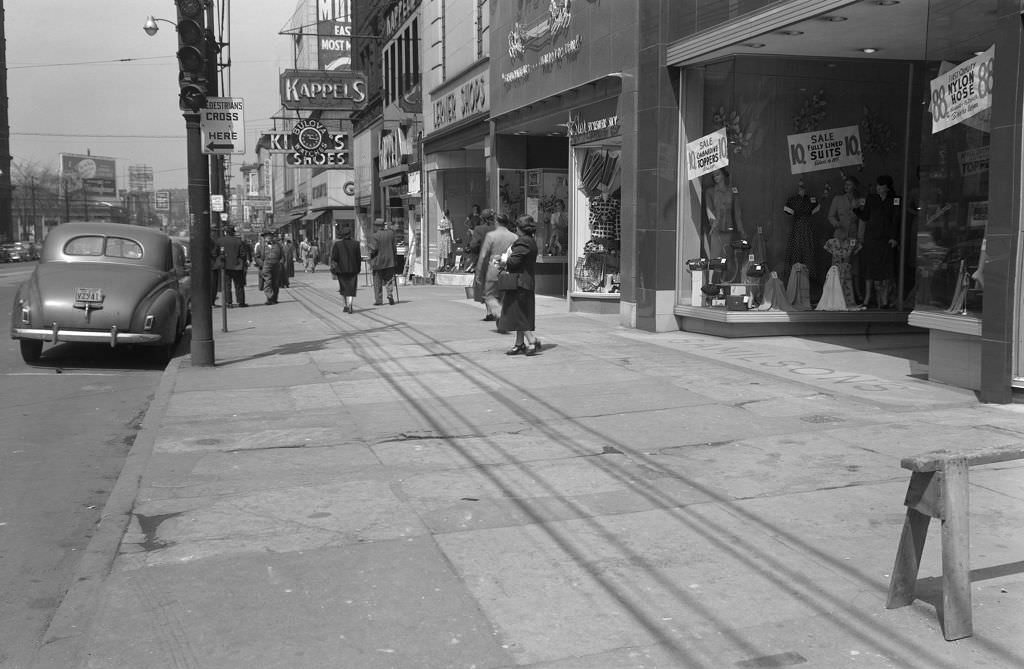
{"x": 149, "y": 322}
{"x": 26, "y": 313}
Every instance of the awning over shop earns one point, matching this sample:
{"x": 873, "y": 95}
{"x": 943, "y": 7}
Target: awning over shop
{"x": 311, "y": 216}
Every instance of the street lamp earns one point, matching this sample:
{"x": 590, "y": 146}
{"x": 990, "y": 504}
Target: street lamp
{"x": 151, "y": 27}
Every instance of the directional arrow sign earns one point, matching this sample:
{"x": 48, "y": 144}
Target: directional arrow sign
{"x": 222, "y": 124}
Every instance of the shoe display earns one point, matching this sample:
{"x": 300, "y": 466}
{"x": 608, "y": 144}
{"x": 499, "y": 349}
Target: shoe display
{"x": 516, "y": 350}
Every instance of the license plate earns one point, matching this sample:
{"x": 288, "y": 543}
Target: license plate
{"x": 86, "y": 295}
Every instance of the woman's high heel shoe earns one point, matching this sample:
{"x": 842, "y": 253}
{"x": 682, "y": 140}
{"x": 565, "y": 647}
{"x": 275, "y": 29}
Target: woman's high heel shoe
{"x": 531, "y": 351}
{"x": 516, "y": 350}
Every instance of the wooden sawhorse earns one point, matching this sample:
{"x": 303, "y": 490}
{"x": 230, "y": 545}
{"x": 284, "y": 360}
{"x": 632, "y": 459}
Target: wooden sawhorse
{"x": 939, "y": 489}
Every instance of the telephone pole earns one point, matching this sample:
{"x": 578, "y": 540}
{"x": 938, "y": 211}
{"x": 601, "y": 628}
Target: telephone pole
{"x": 6, "y": 219}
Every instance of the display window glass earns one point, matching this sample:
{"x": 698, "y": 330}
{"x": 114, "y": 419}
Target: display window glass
{"x": 797, "y": 220}
{"x": 849, "y": 184}
{"x": 596, "y": 229}
{"x": 951, "y": 199}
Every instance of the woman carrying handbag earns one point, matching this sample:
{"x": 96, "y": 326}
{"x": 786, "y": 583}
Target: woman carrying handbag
{"x": 517, "y": 304}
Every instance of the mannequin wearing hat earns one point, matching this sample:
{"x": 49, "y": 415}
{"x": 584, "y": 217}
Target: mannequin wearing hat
{"x": 881, "y": 215}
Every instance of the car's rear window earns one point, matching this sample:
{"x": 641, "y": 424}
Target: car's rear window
{"x": 97, "y": 245}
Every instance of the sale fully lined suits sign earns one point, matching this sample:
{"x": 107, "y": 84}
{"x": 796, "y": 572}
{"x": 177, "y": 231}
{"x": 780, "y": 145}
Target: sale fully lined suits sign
{"x": 824, "y": 149}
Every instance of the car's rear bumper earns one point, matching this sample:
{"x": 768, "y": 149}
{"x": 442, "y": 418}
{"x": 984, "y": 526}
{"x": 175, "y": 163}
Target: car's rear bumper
{"x": 112, "y": 336}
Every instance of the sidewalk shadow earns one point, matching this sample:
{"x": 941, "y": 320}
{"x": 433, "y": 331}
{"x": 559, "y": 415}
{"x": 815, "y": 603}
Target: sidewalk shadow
{"x": 309, "y": 346}
{"x": 929, "y": 589}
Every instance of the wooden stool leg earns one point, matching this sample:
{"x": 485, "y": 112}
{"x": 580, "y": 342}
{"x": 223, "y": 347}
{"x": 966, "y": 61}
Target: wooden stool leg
{"x": 956, "y": 577}
{"x": 908, "y": 560}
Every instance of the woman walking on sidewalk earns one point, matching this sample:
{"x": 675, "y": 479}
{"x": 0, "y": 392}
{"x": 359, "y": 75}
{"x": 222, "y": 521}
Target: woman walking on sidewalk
{"x": 346, "y": 261}
{"x": 517, "y": 306}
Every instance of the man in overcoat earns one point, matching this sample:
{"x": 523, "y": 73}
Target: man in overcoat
{"x": 270, "y": 272}
{"x": 382, "y": 261}
{"x": 234, "y": 254}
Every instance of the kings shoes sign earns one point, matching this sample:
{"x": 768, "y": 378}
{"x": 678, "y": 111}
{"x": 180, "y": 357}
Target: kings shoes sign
{"x": 320, "y": 89}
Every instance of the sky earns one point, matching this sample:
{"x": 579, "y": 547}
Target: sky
{"x": 60, "y": 104}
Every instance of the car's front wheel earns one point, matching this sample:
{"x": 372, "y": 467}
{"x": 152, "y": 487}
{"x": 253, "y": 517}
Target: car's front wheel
{"x": 31, "y": 350}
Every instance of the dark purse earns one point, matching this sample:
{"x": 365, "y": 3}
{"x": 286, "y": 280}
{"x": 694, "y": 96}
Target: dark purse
{"x": 507, "y": 280}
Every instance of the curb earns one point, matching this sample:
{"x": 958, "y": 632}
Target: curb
{"x": 62, "y": 639}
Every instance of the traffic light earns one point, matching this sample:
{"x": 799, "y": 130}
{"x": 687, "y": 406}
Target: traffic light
{"x": 193, "y": 50}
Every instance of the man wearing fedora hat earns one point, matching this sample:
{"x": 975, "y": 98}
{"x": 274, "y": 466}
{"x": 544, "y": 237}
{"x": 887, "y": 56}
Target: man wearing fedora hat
{"x": 382, "y": 261}
{"x": 235, "y": 254}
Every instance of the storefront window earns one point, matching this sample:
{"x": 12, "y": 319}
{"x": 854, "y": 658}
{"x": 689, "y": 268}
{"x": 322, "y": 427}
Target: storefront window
{"x": 512, "y": 193}
{"x": 952, "y": 211}
{"x": 805, "y": 211}
{"x": 597, "y": 228}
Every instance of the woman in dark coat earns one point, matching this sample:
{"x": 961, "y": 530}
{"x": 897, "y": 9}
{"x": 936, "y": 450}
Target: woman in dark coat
{"x": 346, "y": 262}
{"x": 517, "y": 306}
{"x": 881, "y": 215}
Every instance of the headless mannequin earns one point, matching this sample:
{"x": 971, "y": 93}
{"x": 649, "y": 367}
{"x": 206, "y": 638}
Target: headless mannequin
{"x": 721, "y": 204}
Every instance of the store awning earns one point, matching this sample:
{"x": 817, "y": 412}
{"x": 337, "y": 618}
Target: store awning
{"x": 311, "y": 216}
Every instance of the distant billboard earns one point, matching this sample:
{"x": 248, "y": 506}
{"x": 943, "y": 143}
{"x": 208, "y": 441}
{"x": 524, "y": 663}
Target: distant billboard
{"x": 95, "y": 175}
{"x": 334, "y": 34}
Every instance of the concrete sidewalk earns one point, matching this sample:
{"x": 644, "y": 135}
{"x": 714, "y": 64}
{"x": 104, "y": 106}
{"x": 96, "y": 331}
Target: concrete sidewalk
{"x": 387, "y": 489}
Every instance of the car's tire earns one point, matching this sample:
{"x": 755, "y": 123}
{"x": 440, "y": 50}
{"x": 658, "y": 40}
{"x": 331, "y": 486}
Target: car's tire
{"x": 31, "y": 350}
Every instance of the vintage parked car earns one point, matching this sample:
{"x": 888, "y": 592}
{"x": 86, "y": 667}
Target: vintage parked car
{"x": 12, "y": 252}
{"x": 105, "y": 283}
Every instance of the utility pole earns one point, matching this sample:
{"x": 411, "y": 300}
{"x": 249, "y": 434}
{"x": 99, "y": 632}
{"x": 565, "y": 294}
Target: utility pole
{"x": 6, "y": 219}
{"x": 195, "y": 50}
{"x": 32, "y": 224}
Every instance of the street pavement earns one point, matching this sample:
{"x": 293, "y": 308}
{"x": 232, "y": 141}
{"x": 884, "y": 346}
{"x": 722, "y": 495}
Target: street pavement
{"x": 388, "y": 489}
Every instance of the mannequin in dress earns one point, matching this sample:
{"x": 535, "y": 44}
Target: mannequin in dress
{"x": 881, "y": 215}
{"x": 725, "y": 223}
{"x": 841, "y": 214}
{"x": 445, "y": 241}
{"x": 800, "y": 248}
{"x": 558, "y": 235}
{"x": 843, "y": 251}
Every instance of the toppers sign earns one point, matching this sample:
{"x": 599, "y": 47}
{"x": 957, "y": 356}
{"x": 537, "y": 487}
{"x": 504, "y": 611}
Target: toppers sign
{"x": 319, "y": 89}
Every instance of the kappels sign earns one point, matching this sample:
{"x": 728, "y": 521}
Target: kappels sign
{"x": 319, "y": 89}
{"x": 462, "y": 102}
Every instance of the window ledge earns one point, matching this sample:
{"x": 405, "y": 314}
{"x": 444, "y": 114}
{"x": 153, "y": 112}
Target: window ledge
{"x": 938, "y": 320}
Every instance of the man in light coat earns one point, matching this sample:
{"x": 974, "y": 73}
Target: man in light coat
{"x": 485, "y": 286}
